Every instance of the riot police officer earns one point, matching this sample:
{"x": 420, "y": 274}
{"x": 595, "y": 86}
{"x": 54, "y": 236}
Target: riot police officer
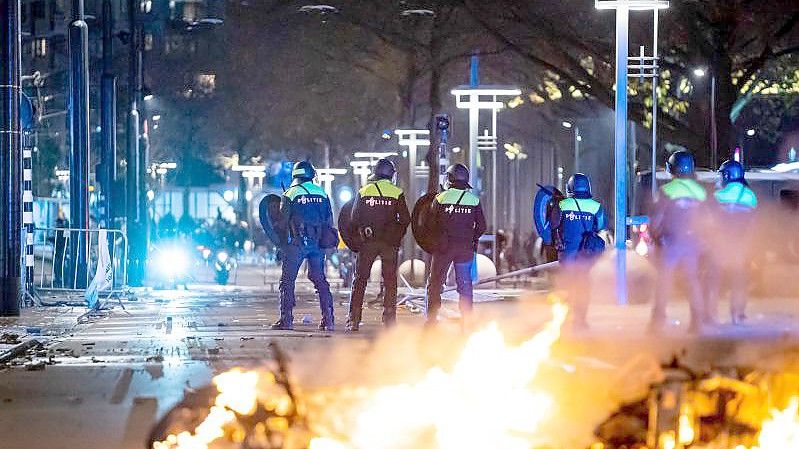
{"x": 575, "y": 216}
{"x": 457, "y": 222}
{"x": 380, "y": 216}
{"x": 307, "y": 219}
{"x": 576, "y": 220}
{"x": 731, "y": 240}
{"x": 678, "y": 214}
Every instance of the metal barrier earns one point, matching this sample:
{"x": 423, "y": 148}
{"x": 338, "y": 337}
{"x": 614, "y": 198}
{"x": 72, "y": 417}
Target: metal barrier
{"x": 53, "y": 257}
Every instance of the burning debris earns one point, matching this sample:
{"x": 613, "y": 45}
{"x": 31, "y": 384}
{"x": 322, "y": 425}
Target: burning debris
{"x": 495, "y": 395}
{"x": 242, "y": 409}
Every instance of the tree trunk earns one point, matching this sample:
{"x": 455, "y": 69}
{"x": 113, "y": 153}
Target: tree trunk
{"x": 726, "y": 94}
{"x": 406, "y": 116}
{"x": 435, "y": 102}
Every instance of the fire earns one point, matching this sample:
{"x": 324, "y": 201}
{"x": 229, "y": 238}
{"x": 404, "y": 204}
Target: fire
{"x": 454, "y": 409}
{"x": 781, "y": 431}
{"x": 238, "y": 394}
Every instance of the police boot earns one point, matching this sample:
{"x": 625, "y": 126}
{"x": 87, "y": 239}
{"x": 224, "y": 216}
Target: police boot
{"x": 326, "y": 325}
{"x": 353, "y": 325}
{"x": 284, "y": 324}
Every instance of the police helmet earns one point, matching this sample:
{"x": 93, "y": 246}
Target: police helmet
{"x": 458, "y": 175}
{"x": 383, "y": 170}
{"x": 579, "y": 185}
{"x": 681, "y": 164}
{"x": 731, "y": 171}
{"x": 303, "y": 170}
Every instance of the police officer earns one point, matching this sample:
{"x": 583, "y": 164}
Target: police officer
{"x": 678, "y": 214}
{"x": 380, "y": 215}
{"x": 575, "y": 216}
{"x": 307, "y": 218}
{"x": 731, "y": 240}
{"x": 457, "y": 222}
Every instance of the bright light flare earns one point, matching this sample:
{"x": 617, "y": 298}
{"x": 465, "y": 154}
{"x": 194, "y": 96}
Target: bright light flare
{"x": 173, "y": 261}
{"x": 455, "y": 408}
{"x": 781, "y": 431}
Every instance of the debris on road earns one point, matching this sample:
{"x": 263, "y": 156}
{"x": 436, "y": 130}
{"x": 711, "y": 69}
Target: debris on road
{"x": 9, "y": 339}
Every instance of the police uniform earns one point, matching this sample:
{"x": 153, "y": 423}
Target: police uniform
{"x": 305, "y": 208}
{"x": 678, "y": 215}
{"x": 571, "y": 219}
{"x": 380, "y": 216}
{"x": 457, "y": 221}
{"x": 729, "y": 252}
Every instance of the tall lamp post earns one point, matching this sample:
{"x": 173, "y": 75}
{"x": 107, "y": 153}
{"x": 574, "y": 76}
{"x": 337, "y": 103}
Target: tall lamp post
{"x": 714, "y": 142}
{"x": 623, "y": 8}
{"x": 10, "y": 158}
{"x": 413, "y": 139}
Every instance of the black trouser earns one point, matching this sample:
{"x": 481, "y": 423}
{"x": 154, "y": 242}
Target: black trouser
{"x": 363, "y": 268}
{"x": 292, "y": 257}
{"x": 435, "y": 284}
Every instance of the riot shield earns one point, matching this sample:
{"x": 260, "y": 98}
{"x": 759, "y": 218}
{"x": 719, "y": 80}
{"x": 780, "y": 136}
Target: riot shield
{"x": 348, "y": 232}
{"x": 271, "y": 220}
{"x": 546, "y": 198}
{"x": 421, "y": 224}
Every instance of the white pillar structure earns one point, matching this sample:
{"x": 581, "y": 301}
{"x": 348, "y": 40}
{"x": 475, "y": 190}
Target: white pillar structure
{"x": 475, "y": 99}
{"x": 623, "y": 8}
{"x": 361, "y": 169}
{"x": 326, "y": 176}
{"x": 413, "y": 139}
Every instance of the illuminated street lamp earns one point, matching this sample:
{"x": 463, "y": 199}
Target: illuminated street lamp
{"x": 474, "y": 99}
{"x": 254, "y": 174}
{"x": 623, "y": 8}
{"x": 515, "y": 154}
{"x": 326, "y": 176}
{"x": 361, "y": 169}
{"x": 413, "y": 139}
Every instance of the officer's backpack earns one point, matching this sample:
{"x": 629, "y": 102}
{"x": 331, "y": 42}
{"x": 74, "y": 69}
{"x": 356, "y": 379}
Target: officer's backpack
{"x": 591, "y": 243}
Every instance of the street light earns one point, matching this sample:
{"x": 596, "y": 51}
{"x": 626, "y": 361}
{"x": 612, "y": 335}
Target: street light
{"x": 750, "y": 132}
{"x": 623, "y": 8}
{"x": 700, "y": 72}
{"x": 567, "y": 125}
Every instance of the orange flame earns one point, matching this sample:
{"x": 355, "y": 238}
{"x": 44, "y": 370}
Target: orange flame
{"x": 453, "y": 409}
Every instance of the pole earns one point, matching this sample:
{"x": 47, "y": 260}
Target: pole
{"x": 577, "y": 149}
{"x": 714, "y": 144}
{"x": 474, "y": 117}
{"x": 10, "y": 159}
{"x": 135, "y": 255}
{"x": 108, "y": 172}
{"x": 655, "y": 75}
{"x": 620, "y": 150}
{"x": 79, "y": 142}
{"x": 494, "y": 207}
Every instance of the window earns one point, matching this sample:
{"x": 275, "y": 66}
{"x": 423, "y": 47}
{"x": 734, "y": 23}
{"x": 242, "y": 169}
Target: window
{"x": 40, "y": 47}
{"x": 205, "y": 83}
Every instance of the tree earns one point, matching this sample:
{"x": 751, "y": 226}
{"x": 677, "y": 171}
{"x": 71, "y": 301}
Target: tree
{"x": 569, "y": 46}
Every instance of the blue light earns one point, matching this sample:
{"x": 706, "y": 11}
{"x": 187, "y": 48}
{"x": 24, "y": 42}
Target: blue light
{"x": 344, "y": 194}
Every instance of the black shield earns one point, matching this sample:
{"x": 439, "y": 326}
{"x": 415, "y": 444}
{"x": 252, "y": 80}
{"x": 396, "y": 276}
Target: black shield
{"x": 546, "y": 198}
{"x": 348, "y": 232}
{"x": 271, "y": 219}
{"x": 421, "y": 223}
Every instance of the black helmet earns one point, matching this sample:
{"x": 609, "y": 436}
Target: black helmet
{"x": 303, "y": 170}
{"x": 458, "y": 175}
{"x": 681, "y": 164}
{"x": 579, "y": 186}
{"x": 383, "y": 170}
{"x": 731, "y": 171}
